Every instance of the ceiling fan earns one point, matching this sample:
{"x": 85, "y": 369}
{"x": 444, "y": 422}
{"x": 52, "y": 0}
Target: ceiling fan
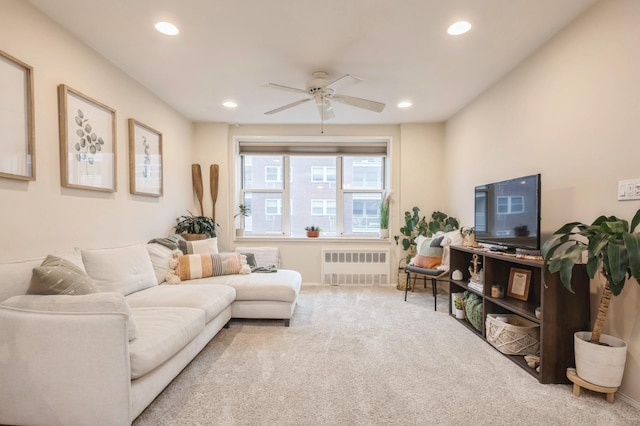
{"x": 323, "y": 91}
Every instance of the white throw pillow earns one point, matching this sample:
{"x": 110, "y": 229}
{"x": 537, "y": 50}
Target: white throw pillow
{"x": 160, "y": 258}
{"x": 452, "y": 238}
{"x": 124, "y": 269}
{"x": 209, "y": 245}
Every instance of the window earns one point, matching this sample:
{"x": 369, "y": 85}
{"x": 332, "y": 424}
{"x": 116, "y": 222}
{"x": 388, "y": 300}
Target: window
{"x": 510, "y": 204}
{"x": 336, "y": 185}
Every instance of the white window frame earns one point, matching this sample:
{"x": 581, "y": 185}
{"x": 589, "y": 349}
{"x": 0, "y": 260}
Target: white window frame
{"x": 286, "y": 147}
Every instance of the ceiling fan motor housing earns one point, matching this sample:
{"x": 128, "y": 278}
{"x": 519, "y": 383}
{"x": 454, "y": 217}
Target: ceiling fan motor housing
{"x": 317, "y": 83}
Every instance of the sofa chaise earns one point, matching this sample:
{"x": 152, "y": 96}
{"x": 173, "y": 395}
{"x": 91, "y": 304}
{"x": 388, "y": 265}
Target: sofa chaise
{"x": 102, "y": 356}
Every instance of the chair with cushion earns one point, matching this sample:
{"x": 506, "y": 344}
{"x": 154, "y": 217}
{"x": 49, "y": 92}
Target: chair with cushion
{"x": 431, "y": 261}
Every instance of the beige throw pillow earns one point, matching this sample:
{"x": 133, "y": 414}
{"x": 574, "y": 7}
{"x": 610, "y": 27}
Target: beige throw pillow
{"x": 59, "y": 276}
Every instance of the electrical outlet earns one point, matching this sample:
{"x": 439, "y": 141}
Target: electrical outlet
{"x": 629, "y": 190}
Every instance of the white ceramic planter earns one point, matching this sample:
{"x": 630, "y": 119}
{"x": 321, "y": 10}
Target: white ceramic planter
{"x": 599, "y": 364}
{"x": 460, "y": 314}
{"x": 239, "y": 232}
{"x": 384, "y": 233}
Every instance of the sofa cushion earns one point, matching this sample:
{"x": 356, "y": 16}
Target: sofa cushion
{"x": 96, "y": 302}
{"x": 192, "y": 266}
{"x": 123, "y": 269}
{"x": 208, "y": 245}
{"x": 283, "y": 285}
{"x": 160, "y": 256}
{"x": 59, "y": 276}
{"x": 212, "y": 299}
{"x": 428, "y": 262}
{"x": 426, "y": 246}
{"x": 162, "y": 332}
{"x": 16, "y": 277}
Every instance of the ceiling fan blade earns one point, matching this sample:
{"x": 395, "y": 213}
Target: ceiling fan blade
{"x": 342, "y": 82}
{"x": 291, "y": 105}
{"x": 325, "y": 109}
{"x": 287, "y": 88}
{"x": 360, "y": 103}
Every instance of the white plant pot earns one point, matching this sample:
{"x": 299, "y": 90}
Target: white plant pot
{"x": 599, "y": 364}
{"x": 384, "y": 233}
{"x": 460, "y": 314}
{"x": 239, "y": 232}
{"x": 455, "y": 296}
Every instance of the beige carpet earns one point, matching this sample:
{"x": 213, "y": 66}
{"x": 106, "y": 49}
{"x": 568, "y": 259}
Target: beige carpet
{"x": 363, "y": 356}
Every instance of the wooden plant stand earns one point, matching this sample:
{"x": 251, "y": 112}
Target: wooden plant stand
{"x": 580, "y": 383}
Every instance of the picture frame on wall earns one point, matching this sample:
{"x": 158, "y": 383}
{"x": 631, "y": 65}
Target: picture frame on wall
{"x": 87, "y": 142}
{"x": 145, "y": 160}
{"x": 17, "y": 130}
{"x": 519, "y": 281}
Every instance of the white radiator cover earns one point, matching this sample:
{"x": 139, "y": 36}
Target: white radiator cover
{"x": 355, "y": 266}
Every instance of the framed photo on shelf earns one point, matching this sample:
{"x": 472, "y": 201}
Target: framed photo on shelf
{"x": 519, "y": 281}
{"x": 145, "y": 160}
{"x": 17, "y": 134}
{"x": 87, "y": 142}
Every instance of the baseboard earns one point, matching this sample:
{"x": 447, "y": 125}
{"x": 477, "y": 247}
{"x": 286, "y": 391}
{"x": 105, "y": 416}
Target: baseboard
{"x": 628, "y": 400}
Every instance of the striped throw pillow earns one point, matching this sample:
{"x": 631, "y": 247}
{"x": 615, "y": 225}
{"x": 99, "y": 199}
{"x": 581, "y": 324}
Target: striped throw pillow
{"x": 193, "y": 266}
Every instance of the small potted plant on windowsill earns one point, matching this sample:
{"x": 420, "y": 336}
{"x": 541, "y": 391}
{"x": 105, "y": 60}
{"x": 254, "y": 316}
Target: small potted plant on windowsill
{"x": 385, "y": 205}
{"x": 243, "y": 211}
{"x": 313, "y": 231}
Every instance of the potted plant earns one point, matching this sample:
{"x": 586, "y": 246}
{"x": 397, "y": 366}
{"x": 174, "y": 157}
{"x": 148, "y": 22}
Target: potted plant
{"x": 415, "y": 226}
{"x": 384, "y": 215}
{"x": 313, "y": 231}
{"x": 192, "y": 227}
{"x": 469, "y": 234}
{"x": 613, "y": 250}
{"x": 459, "y": 305}
{"x": 243, "y": 211}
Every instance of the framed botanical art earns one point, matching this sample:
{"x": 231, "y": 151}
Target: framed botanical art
{"x": 145, "y": 160}
{"x": 87, "y": 142}
{"x": 17, "y": 134}
{"x": 519, "y": 281}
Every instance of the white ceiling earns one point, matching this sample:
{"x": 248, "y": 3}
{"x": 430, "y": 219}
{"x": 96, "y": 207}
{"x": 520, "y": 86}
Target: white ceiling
{"x": 229, "y": 50}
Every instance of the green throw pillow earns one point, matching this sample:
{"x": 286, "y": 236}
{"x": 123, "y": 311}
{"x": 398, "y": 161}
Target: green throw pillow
{"x": 59, "y": 276}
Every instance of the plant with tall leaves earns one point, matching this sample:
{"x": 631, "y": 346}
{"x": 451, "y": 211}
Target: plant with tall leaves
{"x": 612, "y": 248}
{"x": 385, "y": 205}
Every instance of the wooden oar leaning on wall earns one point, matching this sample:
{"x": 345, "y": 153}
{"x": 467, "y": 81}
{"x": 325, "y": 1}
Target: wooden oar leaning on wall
{"x": 213, "y": 186}
{"x": 196, "y": 175}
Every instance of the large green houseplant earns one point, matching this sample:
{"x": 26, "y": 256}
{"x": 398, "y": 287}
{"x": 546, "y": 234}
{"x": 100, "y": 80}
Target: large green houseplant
{"x": 613, "y": 250}
{"x": 416, "y": 225}
{"x": 190, "y": 224}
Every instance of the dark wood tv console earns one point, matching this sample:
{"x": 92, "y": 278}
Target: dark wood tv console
{"x": 563, "y": 313}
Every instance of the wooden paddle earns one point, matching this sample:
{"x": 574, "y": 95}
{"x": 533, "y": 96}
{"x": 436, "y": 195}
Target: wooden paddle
{"x": 196, "y": 175}
{"x": 213, "y": 186}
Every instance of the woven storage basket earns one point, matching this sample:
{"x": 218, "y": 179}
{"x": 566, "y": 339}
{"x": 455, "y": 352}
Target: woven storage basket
{"x": 512, "y": 334}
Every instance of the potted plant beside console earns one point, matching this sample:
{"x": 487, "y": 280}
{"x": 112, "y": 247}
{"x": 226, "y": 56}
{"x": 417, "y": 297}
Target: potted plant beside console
{"x": 613, "y": 252}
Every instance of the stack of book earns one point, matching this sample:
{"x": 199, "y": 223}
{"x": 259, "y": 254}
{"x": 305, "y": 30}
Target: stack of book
{"x": 475, "y": 285}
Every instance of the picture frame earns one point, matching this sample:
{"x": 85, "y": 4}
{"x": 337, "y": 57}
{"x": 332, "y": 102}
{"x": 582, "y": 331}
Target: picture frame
{"x": 17, "y": 129}
{"x": 519, "y": 281}
{"x": 87, "y": 142}
{"x": 145, "y": 160}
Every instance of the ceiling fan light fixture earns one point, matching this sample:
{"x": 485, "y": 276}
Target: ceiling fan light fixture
{"x": 167, "y": 28}
{"x": 230, "y": 104}
{"x": 404, "y": 104}
{"x": 459, "y": 28}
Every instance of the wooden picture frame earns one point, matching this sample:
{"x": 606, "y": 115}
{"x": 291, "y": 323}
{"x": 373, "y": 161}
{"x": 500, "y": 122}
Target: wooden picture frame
{"x": 519, "y": 281}
{"x": 145, "y": 160}
{"x": 87, "y": 142}
{"x": 17, "y": 130}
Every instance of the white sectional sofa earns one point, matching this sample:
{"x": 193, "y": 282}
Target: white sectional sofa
{"x": 103, "y": 357}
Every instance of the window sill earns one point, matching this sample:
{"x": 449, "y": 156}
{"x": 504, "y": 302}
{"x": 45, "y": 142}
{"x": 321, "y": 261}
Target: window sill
{"x": 318, "y": 240}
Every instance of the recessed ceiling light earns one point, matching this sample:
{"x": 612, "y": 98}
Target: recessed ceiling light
{"x": 167, "y": 28}
{"x": 458, "y": 28}
{"x": 230, "y": 104}
{"x": 404, "y": 104}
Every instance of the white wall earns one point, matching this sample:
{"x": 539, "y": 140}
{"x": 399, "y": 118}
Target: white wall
{"x": 570, "y": 112}
{"x": 41, "y": 217}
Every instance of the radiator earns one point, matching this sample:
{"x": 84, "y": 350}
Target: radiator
{"x": 340, "y": 266}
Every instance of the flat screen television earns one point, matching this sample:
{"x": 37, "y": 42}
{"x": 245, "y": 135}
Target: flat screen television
{"x": 507, "y": 214}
